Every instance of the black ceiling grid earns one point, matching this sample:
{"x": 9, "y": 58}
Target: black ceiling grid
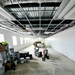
{"x": 63, "y": 22}
{"x": 65, "y": 26}
{"x": 28, "y": 5}
{"x": 48, "y": 10}
{"x": 15, "y": 15}
{"x": 57, "y": 26}
{"x": 51, "y": 16}
{"x": 22, "y": 15}
{"x": 46, "y": 4}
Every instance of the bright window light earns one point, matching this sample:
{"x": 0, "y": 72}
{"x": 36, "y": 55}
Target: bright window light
{"x": 21, "y": 40}
{"x": 25, "y": 40}
{"x": 1, "y": 37}
{"x": 14, "y": 39}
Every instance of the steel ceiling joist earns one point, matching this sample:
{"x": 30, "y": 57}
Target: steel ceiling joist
{"x": 46, "y": 4}
{"x": 36, "y": 19}
{"x": 52, "y": 11}
{"x": 13, "y": 16}
{"x": 39, "y": 17}
{"x": 31, "y": 11}
{"x": 44, "y": 22}
{"x": 57, "y": 25}
{"x": 62, "y": 22}
{"x": 26, "y": 17}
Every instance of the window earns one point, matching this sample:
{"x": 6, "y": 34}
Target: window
{"x": 25, "y": 40}
{"x": 14, "y": 38}
{"x": 21, "y": 39}
{"x": 1, "y": 37}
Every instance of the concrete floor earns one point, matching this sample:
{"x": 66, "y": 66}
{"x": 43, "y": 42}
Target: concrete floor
{"x": 56, "y": 65}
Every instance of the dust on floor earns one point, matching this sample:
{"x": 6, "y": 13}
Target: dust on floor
{"x": 54, "y": 66}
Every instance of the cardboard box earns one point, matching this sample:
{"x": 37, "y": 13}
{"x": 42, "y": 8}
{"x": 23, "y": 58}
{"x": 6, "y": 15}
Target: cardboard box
{"x": 2, "y": 48}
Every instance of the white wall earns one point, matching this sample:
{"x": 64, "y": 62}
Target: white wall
{"x": 64, "y": 42}
{"x": 8, "y": 38}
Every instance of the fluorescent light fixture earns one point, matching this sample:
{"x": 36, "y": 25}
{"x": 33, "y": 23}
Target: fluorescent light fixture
{"x": 4, "y": 15}
{"x": 48, "y": 32}
{"x": 26, "y": 32}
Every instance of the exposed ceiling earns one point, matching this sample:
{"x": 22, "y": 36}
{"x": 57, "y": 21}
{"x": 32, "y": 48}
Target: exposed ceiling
{"x": 36, "y": 16}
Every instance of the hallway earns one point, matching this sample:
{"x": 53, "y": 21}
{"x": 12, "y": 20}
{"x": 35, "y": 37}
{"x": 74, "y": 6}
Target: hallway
{"x": 56, "y": 65}
{"x": 42, "y": 23}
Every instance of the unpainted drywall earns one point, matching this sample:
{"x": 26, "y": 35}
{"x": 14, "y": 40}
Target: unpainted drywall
{"x": 8, "y": 38}
{"x": 64, "y": 42}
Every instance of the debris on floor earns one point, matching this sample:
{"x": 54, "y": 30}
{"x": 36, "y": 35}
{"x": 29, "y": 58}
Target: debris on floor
{"x": 56, "y": 65}
{"x": 38, "y": 67}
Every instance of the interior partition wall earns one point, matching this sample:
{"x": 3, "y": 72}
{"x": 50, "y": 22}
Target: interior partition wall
{"x": 63, "y": 42}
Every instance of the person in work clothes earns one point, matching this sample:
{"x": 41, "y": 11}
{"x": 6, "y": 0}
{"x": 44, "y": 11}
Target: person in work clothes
{"x": 36, "y": 49}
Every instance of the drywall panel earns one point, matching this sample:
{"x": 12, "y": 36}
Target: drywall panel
{"x": 64, "y": 42}
{"x": 8, "y": 37}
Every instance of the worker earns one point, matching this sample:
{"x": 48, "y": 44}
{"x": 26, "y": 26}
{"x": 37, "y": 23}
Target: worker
{"x": 36, "y": 49}
{"x": 43, "y": 55}
{"x": 43, "y": 45}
